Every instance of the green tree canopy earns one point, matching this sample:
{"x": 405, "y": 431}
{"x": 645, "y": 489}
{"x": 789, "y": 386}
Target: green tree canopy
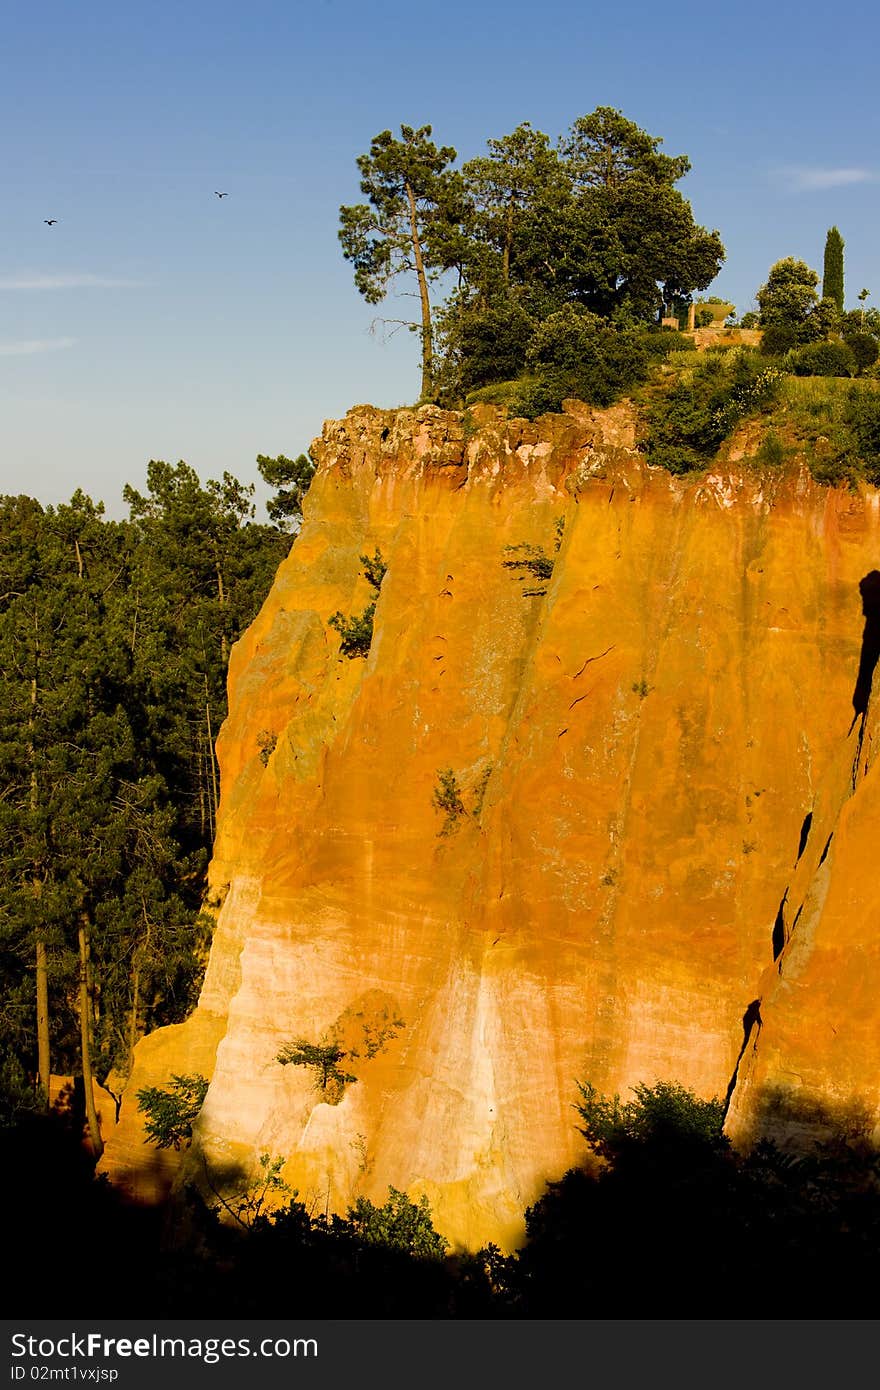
{"x": 789, "y": 297}
{"x": 832, "y": 274}
{"x": 523, "y": 232}
{"x": 413, "y": 200}
{"x": 291, "y": 478}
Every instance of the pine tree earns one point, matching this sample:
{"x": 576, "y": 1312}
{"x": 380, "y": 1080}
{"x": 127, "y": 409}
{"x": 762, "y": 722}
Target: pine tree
{"x": 832, "y": 270}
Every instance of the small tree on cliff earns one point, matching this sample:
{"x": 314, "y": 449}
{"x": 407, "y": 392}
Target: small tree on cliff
{"x": 412, "y": 195}
{"x": 291, "y": 479}
{"x": 832, "y": 270}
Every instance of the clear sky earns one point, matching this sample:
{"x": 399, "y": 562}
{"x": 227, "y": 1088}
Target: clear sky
{"x": 155, "y": 320}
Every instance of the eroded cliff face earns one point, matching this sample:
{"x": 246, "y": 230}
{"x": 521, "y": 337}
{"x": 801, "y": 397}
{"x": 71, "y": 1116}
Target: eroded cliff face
{"x": 665, "y": 865}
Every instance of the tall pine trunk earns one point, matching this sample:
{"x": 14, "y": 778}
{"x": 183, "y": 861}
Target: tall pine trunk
{"x": 41, "y": 963}
{"x": 85, "y": 1037}
{"x": 427, "y": 336}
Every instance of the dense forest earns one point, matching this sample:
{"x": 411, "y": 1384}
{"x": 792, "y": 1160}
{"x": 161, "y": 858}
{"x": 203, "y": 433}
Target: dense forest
{"x": 114, "y": 643}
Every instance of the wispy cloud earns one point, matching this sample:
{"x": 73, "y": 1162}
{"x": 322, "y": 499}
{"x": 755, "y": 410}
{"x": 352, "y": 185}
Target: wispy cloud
{"x": 812, "y": 179}
{"x": 64, "y": 280}
{"x": 28, "y": 347}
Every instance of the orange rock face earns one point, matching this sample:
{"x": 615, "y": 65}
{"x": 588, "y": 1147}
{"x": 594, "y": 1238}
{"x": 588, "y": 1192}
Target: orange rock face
{"x": 650, "y": 749}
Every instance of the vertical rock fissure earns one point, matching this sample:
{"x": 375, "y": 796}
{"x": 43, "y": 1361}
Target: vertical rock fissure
{"x": 751, "y": 1019}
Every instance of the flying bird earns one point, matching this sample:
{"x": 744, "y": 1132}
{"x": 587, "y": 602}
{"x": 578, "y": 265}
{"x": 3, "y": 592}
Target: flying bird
{"x": 50, "y": 221}
{"x": 221, "y": 195}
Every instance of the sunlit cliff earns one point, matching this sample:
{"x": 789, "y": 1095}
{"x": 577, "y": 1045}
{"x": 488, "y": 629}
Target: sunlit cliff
{"x": 665, "y": 862}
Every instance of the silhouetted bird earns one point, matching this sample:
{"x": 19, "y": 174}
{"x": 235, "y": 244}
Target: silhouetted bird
{"x": 221, "y": 195}
{"x": 50, "y": 221}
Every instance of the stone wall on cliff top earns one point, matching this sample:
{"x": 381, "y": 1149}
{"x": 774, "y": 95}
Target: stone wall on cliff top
{"x": 665, "y": 869}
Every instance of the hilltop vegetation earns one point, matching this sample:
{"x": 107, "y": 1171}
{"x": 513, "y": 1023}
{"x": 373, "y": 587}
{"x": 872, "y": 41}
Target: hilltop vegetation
{"x": 550, "y": 270}
{"x": 551, "y": 258}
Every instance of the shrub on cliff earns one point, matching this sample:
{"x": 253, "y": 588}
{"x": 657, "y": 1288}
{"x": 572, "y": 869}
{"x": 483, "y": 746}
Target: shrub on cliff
{"x": 688, "y": 421}
{"x": 586, "y": 357}
{"x": 356, "y": 632}
{"x": 171, "y": 1113}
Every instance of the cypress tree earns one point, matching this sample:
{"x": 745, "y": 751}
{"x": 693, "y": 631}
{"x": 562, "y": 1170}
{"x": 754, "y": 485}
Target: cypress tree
{"x": 832, "y": 270}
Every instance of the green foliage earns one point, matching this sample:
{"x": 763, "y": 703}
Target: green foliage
{"x": 114, "y": 639}
{"x": 528, "y": 231}
{"x": 688, "y": 421}
{"x": 407, "y": 226}
{"x": 171, "y": 1113}
{"x": 863, "y": 420}
{"x": 324, "y": 1059}
{"x": 666, "y": 1112}
{"x": 530, "y": 560}
{"x": 580, "y": 355}
{"x": 480, "y": 790}
{"x": 533, "y": 562}
{"x": 291, "y": 478}
{"x": 401, "y": 1224}
{"x": 777, "y": 339}
{"x": 789, "y": 297}
{"x": 865, "y": 350}
{"x": 356, "y": 632}
{"x": 823, "y": 359}
{"x": 447, "y": 799}
{"x": 832, "y": 276}
{"x": 374, "y": 568}
{"x": 252, "y": 1205}
{"x": 772, "y": 451}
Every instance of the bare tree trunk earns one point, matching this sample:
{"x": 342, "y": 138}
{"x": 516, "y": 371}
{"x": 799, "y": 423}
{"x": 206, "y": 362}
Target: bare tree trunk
{"x": 211, "y": 754}
{"x": 43, "y": 1062}
{"x": 427, "y": 337}
{"x": 41, "y": 964}
{"x": 141, "y": 953}
{"x": 221, "y": 599}
{"x": 85, "y": 1035}
{"x": 508, "y": 243}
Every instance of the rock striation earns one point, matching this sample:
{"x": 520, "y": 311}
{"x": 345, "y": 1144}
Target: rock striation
{"x": 658, "y": 861}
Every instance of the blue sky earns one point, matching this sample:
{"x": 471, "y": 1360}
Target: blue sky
{"x": 155, "y": 320}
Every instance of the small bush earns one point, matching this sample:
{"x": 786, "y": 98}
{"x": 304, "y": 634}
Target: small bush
{"x": 357, "y": 632}
{"x": 663, "y": 1112}
{"x": 581, "y": 355}
{"x": 447, "y": 798}
{"x": 865, "y": 350}
{"x": 324, "y": 1059}
{"x": 823, "y": 359}
{"x": 772, "y": 451}
{"x": 171, "y": 1113}
{"x": 862, "y": 415}
{"x": 401, "y": 1224}
{"x": 267, "y": 742}
{"x": 688, "y": 421}
{"x": 778, "y": 339}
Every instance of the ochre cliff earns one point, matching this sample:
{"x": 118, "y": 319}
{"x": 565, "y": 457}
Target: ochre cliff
{"x": 665, "y": 869}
